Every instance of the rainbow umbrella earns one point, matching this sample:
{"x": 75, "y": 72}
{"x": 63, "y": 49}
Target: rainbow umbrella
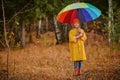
{"x": 85, "y": 12}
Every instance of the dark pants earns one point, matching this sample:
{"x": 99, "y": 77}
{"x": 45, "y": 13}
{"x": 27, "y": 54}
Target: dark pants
{"x": 77, "y": 64}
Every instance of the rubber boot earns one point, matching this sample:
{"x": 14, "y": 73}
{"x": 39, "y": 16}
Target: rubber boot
{"x": 79, "y": 71}
{"x": 76, "y": 72}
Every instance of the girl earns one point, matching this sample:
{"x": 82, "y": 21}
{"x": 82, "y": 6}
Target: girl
{"x": 77, "y": 38}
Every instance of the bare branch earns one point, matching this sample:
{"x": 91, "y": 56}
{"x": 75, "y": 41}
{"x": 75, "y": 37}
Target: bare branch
{"x": 19, "y": 11}
{"x": 1, "y": 21}
{"x": 6, "y": 40}
{"x": 27, "y": 10}
{"x": 3, "y": 44}
{"x": 4, "y": 21}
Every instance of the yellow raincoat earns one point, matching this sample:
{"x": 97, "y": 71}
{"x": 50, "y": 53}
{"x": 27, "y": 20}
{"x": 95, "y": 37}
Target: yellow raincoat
{"x": 77, "y": 51}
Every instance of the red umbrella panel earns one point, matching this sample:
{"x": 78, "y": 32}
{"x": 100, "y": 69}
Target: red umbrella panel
{"x": 68, "y": 16}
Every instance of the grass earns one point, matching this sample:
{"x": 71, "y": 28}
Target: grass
{"x": 43, "y": 60}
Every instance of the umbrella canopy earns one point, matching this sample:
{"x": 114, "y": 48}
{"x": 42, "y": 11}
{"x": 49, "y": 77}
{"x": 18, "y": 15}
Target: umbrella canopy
{"x": 85, "y": 12}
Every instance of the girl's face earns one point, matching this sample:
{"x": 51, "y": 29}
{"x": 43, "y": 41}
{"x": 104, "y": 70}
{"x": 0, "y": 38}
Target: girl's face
{"x": 76, "y": 25}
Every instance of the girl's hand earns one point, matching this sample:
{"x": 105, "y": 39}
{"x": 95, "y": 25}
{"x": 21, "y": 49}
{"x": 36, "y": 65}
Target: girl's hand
{"x": 79, "y": 33}
{"x": 79, "y": 36}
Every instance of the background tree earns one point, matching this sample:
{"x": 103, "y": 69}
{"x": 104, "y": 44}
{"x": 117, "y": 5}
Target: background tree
{"x": 6, "y": 40}
{"x": 32, "y": 12}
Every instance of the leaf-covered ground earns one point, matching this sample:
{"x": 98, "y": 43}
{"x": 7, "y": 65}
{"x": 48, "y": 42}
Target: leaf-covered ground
{"x": 44, "y": 60}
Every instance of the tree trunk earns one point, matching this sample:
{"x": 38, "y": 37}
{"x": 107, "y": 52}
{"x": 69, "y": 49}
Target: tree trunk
{"x": 38, "y": 28}
{"x": 46, "y": 19}
{"x": 112, "y": 24}
{"x": 23, "y": 34}
{"x": 30, "y": 34}
{"x": 6, "y": 40}
{"x": 57, "y": 31}
{"x": 63, "y": 32}
{"x": 66, "y": 33}
{"x": 109, "y": 21}
{"x": 17, "y": 35}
